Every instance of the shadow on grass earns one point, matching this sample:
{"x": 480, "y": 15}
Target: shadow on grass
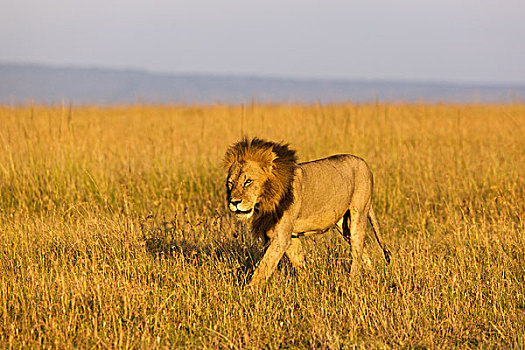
{"x": 225, "y": 243}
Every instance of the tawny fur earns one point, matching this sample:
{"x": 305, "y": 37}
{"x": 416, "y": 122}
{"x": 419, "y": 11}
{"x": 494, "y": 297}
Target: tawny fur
{"x": 286, "y": 200}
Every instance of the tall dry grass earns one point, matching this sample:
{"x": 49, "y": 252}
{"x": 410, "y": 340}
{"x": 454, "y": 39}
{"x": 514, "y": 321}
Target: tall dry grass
{"x": 114, "y": 231}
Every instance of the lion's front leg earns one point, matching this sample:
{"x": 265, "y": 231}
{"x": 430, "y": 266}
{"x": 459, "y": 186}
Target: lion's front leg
{"x": 295, "y": 254}
{"x": 279, "y": 243}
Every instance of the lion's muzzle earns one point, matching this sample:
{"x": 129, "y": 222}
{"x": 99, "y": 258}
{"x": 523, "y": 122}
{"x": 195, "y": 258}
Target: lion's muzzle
{"x": 240, "y": 210}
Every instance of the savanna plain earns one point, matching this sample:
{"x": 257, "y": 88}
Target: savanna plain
{"x": 114, "y": 231}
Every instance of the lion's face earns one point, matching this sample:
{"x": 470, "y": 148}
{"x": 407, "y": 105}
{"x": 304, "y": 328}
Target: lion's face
{"x": 244, "y": 187}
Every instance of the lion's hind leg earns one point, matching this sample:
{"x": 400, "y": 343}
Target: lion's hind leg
{"x": 343, "y": 226}
{"x": 358, "y": 223}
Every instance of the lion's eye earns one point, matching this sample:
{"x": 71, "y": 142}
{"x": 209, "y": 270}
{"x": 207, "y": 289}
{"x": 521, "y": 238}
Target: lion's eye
{"x": 247, "y": 182}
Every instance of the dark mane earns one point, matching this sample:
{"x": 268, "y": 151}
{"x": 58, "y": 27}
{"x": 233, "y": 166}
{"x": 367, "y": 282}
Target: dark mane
{"x": 280, "y": 161}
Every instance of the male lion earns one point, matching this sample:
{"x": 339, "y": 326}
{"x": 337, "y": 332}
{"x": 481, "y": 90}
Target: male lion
{"x": 286, "y": 200}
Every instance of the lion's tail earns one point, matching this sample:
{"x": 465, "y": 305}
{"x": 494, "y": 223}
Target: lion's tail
{"x": 375, "y": 227}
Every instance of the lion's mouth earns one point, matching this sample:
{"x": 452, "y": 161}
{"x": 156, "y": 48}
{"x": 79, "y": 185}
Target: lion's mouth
{"x": 243, "y": 212}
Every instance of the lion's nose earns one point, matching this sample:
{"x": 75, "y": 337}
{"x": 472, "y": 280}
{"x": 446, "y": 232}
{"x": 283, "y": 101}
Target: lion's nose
{"x": 235, "y": 202}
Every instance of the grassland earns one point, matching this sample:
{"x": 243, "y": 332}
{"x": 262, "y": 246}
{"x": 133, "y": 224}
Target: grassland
{"x": 114, "y": 232}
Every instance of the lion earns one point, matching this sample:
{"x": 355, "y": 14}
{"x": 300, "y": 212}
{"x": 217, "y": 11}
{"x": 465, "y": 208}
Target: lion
{"x": 286, "y": 201}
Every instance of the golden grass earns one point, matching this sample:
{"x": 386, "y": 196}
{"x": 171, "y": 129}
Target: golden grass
{"x": 114, "y": 232}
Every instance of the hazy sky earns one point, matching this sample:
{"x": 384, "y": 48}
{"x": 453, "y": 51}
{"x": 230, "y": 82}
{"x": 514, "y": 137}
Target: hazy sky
{"x": 445, "y": 40}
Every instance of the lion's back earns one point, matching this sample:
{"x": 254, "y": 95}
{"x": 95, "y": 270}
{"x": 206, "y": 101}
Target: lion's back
{"x": 343, "y": 167}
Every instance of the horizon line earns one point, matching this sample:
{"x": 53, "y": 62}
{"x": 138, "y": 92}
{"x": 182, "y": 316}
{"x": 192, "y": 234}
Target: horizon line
{"x": 301, "y": 79}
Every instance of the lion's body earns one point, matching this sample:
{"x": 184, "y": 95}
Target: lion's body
{"x": 301, "y": 199}
{"x": 326, "y": 188}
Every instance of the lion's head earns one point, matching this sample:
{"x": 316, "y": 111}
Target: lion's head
{"x": 260, "y": 175}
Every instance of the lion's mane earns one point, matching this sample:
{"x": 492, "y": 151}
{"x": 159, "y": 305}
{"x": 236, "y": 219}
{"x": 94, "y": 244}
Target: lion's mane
{"x": 279, "y": 163}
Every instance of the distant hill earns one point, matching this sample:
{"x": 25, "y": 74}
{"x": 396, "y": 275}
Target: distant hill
{"x": 23, "y": 84}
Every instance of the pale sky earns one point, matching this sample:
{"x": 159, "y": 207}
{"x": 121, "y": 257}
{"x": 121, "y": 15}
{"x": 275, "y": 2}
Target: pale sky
{"x": 416, "y": 40}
